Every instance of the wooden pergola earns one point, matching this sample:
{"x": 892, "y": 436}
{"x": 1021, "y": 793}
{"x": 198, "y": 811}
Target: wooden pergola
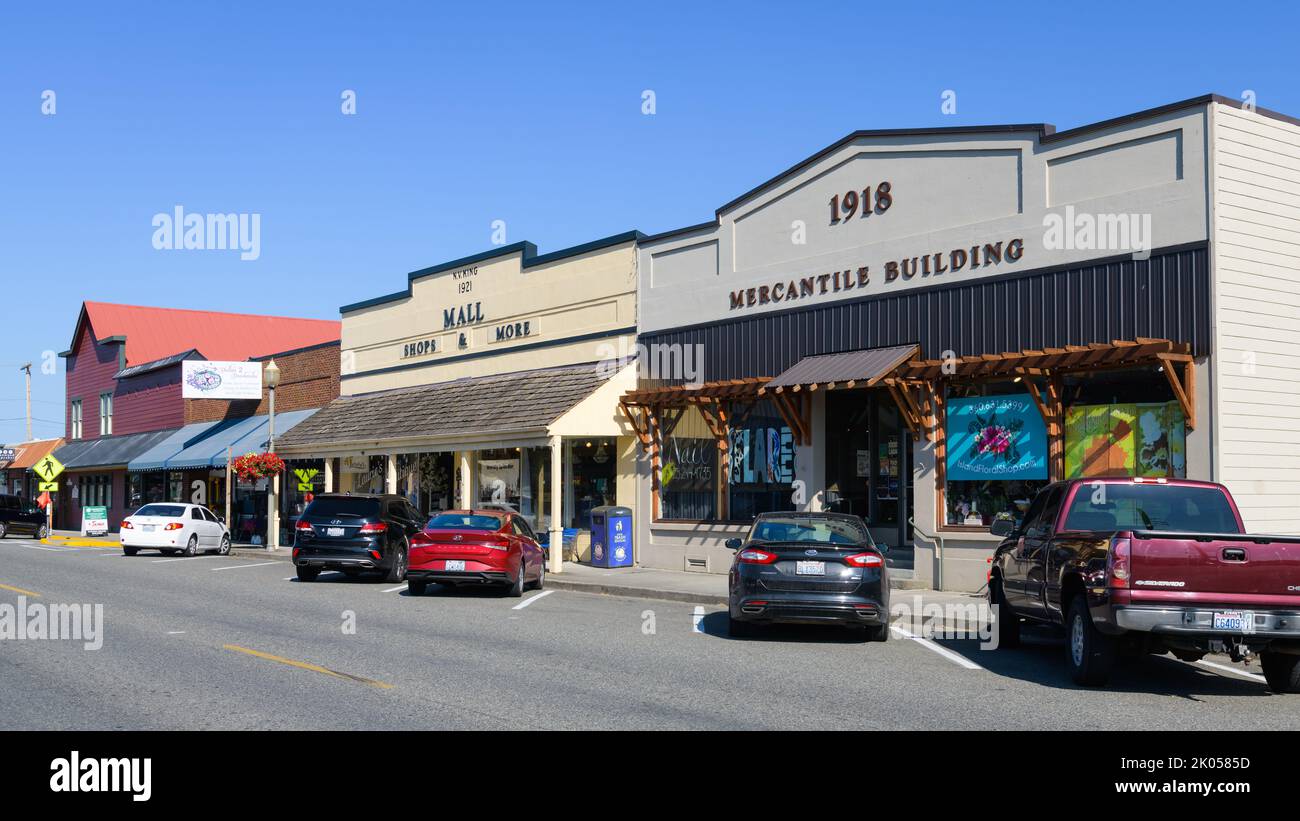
{"x": 917, "y": 388}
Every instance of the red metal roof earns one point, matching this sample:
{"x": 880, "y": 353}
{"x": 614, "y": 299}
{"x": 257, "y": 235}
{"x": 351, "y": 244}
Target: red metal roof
{"x": 155, "y": 333}
{"x": 29, "y": 453}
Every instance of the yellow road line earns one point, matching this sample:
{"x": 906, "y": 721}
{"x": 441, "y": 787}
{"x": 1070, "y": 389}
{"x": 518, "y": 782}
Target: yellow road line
{"x": 19, "y": 590}
{"x": 69, "y": 541}
{"x": 303, "y": 665}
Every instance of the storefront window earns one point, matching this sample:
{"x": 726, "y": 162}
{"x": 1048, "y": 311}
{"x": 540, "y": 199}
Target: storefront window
{"x": 997, "y": 453}
{"x": 426, "y": 480}
{"x": 761, "y": 463}
{"x": 688, "y": 473}
{"x": 593, "y": 473}
{"x": 302, "y": 480}
{"x": 1123, "y": 423}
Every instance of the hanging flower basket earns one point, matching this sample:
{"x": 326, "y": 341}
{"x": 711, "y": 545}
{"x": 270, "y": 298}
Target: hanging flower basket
{"x": 253, "y": 466}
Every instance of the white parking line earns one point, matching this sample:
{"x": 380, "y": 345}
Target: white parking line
{"x": 529, "y": 601}
{"x": 242, "y": 566}
{"x": 183, "y": 559}
{"x": 955, "y": 658}
{"x": 401, "y": 586}
{"x": 1225, "y": 668}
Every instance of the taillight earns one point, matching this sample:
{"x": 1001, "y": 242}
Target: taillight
{"x": 305, "y": 527}
{"x": 752, "y": 555}
{"x": 496, "y": 544}
{"x": 373, "y": 527}
{"x": 174, "y": 526}
{"x": 865, "y": 560}
{"x": 1118, "y": 569}
{"x": 126, "y": 525}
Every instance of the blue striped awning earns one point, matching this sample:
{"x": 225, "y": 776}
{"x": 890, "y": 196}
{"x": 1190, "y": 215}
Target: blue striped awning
{"x": 240, "y": 436}
{"x": 156, "y": 457}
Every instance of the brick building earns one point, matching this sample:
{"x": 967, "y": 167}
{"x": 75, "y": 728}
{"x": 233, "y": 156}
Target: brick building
{"x": 131, "y": 435}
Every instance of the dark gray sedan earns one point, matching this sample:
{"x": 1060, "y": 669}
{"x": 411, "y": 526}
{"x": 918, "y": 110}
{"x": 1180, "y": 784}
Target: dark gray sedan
{"x": 808, "y": 568}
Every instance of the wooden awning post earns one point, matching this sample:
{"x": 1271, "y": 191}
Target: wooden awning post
{"x": 1185, "y": 390}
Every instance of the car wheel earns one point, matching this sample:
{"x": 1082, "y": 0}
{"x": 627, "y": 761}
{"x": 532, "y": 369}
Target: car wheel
{"x": 517, "y": 589}
{"x": 42, "y": 533}
{"x": 1282, "y": 671}
{"x": 1005, "y": 621}
{"x": 878, "y": 633}
{"x": 224, "y": 549}
{"x": 397, "y": 572}
{"x": 1090, "y": 653}
{"x": 738, "y": 629}
{"x": 192, "y": 546}
{"x": 416, "y": 588}
{"x": 540, "y": 584}
{"x": 308, "y": 574}
{"x": 4, "y": 530}
{"x": 130, "y": 551}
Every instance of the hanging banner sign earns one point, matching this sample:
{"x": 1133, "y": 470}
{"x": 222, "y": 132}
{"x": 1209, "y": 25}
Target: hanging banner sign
{"x": 494, "y": 471}
{"x": 201, "y": 379}
{"x": 996, "y": 438}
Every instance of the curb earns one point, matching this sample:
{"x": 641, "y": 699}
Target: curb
{"x": 633, "y": 592}
{"x": 284, "y": 554}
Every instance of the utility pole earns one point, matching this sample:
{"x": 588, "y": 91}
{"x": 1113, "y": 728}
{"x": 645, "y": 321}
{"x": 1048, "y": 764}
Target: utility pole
{"x": 28, "y": 369}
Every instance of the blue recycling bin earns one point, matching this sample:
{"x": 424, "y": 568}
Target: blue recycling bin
{"x": 611, "y": 536}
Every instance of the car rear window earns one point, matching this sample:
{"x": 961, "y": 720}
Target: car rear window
{"x": 809, "y": 529}
{"x": 358, "y": 508}
{"x": 1174, "y": 508}
{"x": 166, "y": 511}
{"x": 464, "y": 521}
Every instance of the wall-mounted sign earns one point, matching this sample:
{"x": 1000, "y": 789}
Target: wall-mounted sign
{"x": 468, "y": 314}
{"x": 514, "y": 330}
{"x": 929, "y": 265}
{"x": 8, "y": 454}
{"x": 996, "y": 437}
{"x": 423, "y": 347}
{"x": 201, "y": 379}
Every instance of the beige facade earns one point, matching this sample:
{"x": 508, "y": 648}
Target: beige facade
{"x": 548, "y": 339}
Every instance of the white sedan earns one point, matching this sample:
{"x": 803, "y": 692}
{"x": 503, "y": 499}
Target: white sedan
{"x": 174, "y": 527}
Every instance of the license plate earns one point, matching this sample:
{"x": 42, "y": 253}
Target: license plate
{"x": 148, "y": 528}
{"x": 1238, "y": 621}
{"x": 455, "y": 565}
{"x": 333, "y": 531}
{"x": 810, "y": 569}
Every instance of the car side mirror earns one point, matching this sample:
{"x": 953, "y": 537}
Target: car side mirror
{"x": 1002, "y": 527}
{"x": 883, "y": 548}
{"x": 733, "y": 544}
{"x": 221, "y": 519}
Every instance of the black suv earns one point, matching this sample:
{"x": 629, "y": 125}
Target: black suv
{"x": 354, "y": 532}
{"x": 18, "y": 515}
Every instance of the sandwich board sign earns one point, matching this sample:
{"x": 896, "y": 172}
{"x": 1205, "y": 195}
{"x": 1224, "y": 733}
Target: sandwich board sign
{"x": 94, "y": 521}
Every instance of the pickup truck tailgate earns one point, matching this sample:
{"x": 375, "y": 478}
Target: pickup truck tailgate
{"x": 1216, "y": 563}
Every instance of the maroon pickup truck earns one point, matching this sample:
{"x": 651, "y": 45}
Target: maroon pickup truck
{"x": 1129, "y": 566}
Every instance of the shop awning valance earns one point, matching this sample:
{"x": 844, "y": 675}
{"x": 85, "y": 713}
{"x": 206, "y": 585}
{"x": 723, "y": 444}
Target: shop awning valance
{"x": 463, "y": 410}
{"x": 155, "y": 458}
{"x": 108, "y": 451}
{"x": 247, "y": 435}
{"x": 708, "y": 391}
{"x": 850, "y": 369}
{"x": 1035, "y": 362}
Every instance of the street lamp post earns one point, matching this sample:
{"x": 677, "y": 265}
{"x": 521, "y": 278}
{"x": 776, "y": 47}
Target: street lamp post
{"x": 271, "y": 378}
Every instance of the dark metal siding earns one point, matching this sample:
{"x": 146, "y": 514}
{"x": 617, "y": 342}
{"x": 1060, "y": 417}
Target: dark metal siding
{"x": 1164, "y": 297}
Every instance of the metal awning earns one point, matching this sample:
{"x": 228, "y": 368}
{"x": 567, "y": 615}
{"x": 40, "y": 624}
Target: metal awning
{"x": 155, "y": 458}
{"x": 108, "y": 451}
{"x": 239, "y": 436}
{"x": 848, "y": 369}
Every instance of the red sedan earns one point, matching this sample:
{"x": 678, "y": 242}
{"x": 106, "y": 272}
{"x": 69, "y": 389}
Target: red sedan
{"x": 476, "y": 547}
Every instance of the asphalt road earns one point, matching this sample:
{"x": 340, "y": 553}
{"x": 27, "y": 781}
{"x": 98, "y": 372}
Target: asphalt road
{"x": 232, "y": 643}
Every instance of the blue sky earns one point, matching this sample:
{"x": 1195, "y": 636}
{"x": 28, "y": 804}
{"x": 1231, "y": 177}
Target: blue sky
{"x": 525, "y": 113}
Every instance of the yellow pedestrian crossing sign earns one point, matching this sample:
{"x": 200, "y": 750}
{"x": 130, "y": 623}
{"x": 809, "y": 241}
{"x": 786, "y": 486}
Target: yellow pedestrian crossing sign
{"x": 48, "y": 468}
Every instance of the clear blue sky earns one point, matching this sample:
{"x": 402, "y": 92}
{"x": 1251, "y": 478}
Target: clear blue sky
{"x": 500, "y": 111}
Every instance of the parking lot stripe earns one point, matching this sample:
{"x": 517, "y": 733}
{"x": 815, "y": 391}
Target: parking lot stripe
{"x": 1225, "y": 668}
{"x": 532, "y": 599}
{"x": 20, "y": 591}
{"x": 955, "y": 658}
{"x": 305, "y": 665}
{"x": 401, "y": 586}
{"x": 183, "y": 559}
{"x": 242, "y": 566}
